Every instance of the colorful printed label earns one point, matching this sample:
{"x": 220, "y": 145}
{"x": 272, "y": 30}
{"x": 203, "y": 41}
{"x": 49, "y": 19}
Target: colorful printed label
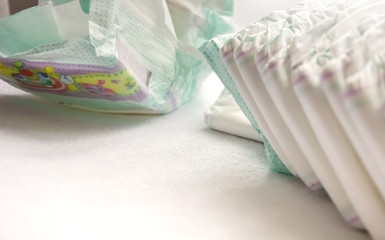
{"x": 75, "y": 81}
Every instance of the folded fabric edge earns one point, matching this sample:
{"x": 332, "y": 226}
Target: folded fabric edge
{"x": 211, "y": 51}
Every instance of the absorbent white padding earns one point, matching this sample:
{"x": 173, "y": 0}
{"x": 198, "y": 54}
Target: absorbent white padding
{"x": 246, "y": 65}
{"x": 304, "y": 134}
{"x": 363, "y": 95}
{"x": 353, "y": 50}
{"x": 350, "y": 171}
{"x": 370, "y": 125}
{"x": 276, "y": 76}
{"x": 226, "y": 116}
{"x": 332, "y": 28}
{"x": 338, "y": 41}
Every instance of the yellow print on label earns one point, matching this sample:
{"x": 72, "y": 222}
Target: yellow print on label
{"x": 119, "y": 85}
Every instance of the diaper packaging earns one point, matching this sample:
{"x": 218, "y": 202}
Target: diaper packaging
{"x": 111, "y": 56}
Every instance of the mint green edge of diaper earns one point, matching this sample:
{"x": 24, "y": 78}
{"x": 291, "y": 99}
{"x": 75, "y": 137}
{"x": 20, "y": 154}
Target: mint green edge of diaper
{"x": 211, "y": 52}
{"x": 85, "y": 4}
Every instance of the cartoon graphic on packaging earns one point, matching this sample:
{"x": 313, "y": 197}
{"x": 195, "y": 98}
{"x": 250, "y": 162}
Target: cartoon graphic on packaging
{"x": 119, "y": 84}
{"x": 35, "y": 79}
{"x": 95, "y": 89}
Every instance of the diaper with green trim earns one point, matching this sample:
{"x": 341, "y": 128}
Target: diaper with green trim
{"x": 111, "y": 55}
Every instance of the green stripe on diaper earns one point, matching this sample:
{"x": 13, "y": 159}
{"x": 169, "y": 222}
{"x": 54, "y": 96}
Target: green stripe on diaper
{"x": 211, "y": 50}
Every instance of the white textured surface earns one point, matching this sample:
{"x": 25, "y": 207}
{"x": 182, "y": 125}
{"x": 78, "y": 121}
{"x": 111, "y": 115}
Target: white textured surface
{"x": 72, "y": 174}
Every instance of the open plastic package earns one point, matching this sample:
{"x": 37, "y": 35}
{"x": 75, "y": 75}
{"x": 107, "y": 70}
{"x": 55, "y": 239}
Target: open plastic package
{"x": 111, "y": 56}
{"x": 319, "y": 68}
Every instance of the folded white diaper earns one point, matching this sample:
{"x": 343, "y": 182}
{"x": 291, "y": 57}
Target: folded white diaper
{"x": 226, "y": 116}
{"x": 272, "y": 63}
{"x": 335, "y": 140}
{"x": 313, "y": 79}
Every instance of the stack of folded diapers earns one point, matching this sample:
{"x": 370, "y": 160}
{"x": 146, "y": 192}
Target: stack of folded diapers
{"x": 311, "y": 80}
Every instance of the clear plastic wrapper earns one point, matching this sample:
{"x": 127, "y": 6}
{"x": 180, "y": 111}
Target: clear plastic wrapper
{"x": 91, "y": 54}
